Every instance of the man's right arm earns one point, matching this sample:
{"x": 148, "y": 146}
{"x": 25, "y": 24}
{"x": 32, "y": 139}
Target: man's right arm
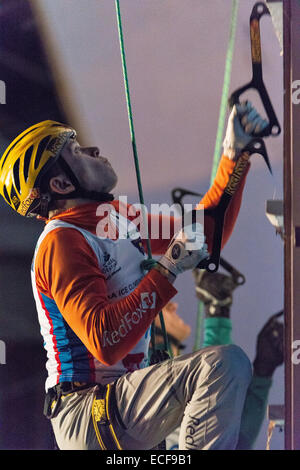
{"x": 67, "y": 271}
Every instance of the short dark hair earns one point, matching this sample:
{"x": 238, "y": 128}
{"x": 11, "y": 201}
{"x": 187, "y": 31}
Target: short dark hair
{"x": 44, "y": 183}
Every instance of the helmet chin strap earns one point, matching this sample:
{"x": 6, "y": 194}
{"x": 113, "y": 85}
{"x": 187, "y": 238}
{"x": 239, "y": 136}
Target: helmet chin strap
{"x": 79, "y": 192}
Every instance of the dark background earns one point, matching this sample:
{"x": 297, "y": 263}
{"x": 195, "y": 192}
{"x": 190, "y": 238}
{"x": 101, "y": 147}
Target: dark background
{"x": 31, "y": 97}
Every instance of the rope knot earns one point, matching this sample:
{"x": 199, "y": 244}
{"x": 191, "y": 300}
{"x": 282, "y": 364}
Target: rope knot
{"x": 148, "y": 264}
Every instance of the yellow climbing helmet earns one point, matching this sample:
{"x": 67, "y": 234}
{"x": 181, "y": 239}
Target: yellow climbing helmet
{"x": 27, "y": 159}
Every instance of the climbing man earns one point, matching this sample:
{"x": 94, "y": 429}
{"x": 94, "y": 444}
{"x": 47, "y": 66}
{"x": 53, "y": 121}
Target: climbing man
{"x": 96, "y": 305}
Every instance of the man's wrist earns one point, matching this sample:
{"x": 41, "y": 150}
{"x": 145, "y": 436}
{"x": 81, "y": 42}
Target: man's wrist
{"x": 262, "y": 368}
{"x": 165, "y": 272}
{"x": 216, "y": 310}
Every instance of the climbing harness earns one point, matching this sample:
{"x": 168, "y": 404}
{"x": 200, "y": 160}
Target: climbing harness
{"x": 106, "y": 418}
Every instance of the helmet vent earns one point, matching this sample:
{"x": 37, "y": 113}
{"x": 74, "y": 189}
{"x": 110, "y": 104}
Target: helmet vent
{"x": 6, "y": 194}
{"x": 27, "y": 159}
{"x": 43, "y": 144}
{"x": 17, "y": 175}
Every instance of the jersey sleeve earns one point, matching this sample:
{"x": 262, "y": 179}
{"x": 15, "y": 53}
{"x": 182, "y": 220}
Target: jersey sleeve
{"x": 67, "y": 271}
{"x": 162, "y": 228}
{"x": 213, "y": 196}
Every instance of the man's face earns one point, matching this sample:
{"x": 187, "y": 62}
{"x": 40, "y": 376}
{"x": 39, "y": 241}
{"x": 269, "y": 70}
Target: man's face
{"x": 93, "y": 171}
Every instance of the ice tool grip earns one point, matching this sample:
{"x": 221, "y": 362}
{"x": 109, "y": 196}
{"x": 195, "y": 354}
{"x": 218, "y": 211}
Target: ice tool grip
{"x": 212, "y": 263}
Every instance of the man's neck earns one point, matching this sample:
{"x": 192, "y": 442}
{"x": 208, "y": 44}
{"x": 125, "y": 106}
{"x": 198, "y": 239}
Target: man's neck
{"x": 68, "y": 204}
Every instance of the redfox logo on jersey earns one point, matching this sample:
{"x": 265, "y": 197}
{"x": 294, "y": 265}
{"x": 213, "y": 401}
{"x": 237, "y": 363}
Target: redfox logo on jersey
{"x": 148, "y": 300}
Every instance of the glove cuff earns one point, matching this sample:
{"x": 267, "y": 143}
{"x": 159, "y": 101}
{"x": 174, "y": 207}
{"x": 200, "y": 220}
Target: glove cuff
{"x": 217, "y": 311}
{"x": 165, "y": 272}
{"x": 168, "y": 265}
{"x": 230, "y": 153}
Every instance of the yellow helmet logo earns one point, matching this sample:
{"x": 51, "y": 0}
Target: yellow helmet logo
{"x": 26, "y": 159}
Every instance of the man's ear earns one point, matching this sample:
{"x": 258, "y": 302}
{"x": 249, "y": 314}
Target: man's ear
{"x": 61, "y": 184}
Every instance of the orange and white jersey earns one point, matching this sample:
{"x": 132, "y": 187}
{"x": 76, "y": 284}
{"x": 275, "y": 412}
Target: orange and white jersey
{"x": 118, "y": 263}
{"x": 95, "y": 305}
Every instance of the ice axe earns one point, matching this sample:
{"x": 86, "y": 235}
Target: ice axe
{"x": 256, "y": 145}
{"x": 177, "y": 196}
{"x": 273, "y": 128}
{"x": 211, "y": 264}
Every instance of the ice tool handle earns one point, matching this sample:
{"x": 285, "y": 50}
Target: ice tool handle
{"x": 257, "y": 83}
{"x": 177, "y": 195}
{"x": 212, "y": 263}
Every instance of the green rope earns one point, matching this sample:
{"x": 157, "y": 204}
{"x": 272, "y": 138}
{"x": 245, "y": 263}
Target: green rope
{"x": 150, "y": 262}
{"x": 199, "y": 326}
{"x": 131, "y": 126}
{"x": 219, "y": 136}
{"x": 225, "y": 92}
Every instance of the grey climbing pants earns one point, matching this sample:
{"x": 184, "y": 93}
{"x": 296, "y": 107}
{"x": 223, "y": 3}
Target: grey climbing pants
{"x": 202, "y": 392}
